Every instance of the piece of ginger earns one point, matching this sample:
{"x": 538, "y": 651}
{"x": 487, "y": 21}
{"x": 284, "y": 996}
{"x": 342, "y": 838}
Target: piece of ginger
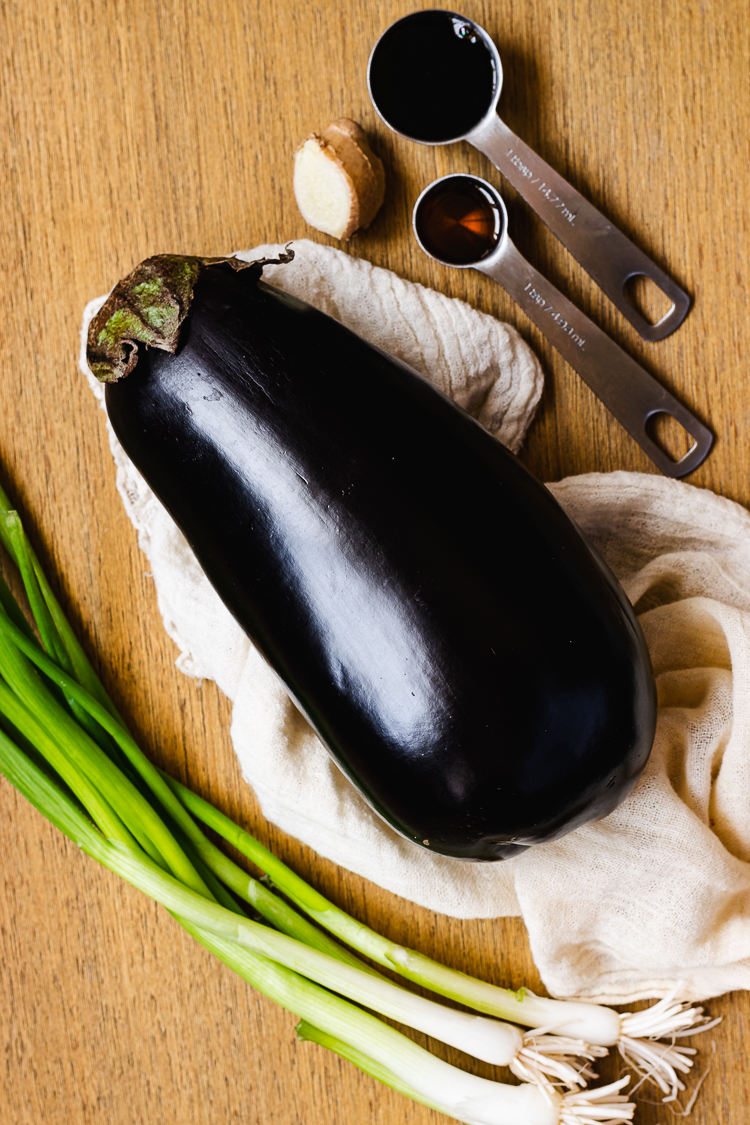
{"x": 339, "y": 182}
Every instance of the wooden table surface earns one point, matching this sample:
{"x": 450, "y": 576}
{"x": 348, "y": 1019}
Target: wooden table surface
{"x": 131, "y": 128}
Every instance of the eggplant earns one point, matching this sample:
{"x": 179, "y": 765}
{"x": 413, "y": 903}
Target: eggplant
{"x": 464, "y": 654}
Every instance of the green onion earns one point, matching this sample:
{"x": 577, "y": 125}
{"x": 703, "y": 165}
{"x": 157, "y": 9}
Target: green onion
{"x": 61, "y": 721}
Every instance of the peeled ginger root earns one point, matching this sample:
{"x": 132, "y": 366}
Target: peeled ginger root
{"x": 339, "y": 182}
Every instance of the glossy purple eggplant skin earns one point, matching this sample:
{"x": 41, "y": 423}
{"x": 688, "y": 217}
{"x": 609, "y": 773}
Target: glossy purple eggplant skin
{"x": 463, "y": 653}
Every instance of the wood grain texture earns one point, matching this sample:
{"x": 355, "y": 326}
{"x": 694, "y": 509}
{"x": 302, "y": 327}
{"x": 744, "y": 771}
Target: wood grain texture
{"x": 132, "y": 128}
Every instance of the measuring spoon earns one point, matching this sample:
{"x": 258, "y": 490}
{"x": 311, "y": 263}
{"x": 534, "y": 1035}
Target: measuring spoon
{"x": 435, "y": 77}
{"x": 461, "y": 221}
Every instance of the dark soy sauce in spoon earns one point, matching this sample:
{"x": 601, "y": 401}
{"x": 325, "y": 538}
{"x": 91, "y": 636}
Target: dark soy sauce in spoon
{"x": 432, "y": 76}
{"x": 459, "y": 222}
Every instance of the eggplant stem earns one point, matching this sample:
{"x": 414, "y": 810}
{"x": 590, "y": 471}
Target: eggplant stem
{"x": 149, "y": 307}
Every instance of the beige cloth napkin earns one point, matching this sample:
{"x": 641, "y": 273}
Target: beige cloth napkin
{"x": 659, "y": 892}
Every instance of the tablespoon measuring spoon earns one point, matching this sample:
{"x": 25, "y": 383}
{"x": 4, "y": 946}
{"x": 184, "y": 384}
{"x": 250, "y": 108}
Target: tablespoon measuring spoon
{"x": 435, "y": 77}
{"x": 461, "y": 221}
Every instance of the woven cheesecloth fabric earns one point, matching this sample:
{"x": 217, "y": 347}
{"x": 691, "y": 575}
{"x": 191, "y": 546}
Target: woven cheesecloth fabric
{"x": 658, "y": 893}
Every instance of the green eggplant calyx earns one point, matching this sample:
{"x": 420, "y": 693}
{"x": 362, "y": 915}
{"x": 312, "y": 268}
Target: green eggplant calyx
{"x": 149, "y": 307}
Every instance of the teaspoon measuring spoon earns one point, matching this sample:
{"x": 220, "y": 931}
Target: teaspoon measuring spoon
{"x": 461, "y": 221}
{"x": 435, "y": 77}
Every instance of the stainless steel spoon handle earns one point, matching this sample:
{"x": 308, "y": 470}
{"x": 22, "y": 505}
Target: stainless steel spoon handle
{"x": 603, "y": 251}
{"x": 625, "y": 388}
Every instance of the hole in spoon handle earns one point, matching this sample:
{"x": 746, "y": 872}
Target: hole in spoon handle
{"x": 701, "y": 435}
{"x": 607, "y": 255}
